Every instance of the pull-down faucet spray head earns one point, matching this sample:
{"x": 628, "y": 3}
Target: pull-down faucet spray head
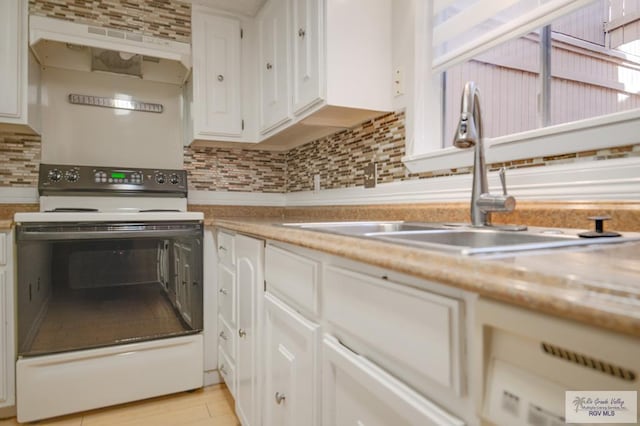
{"x": 469, "y": 130}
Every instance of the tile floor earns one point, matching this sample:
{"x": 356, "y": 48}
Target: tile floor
{"x": 212, "y": 405}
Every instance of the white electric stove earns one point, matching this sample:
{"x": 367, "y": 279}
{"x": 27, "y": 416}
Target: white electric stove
{"x": 110, "y": 290}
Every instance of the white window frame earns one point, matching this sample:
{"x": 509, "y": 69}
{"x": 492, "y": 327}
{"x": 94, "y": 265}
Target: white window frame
{"x": 424, "y": 152}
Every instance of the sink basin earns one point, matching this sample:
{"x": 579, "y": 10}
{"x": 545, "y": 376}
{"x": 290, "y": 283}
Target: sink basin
{"x": 476, "y": 241}
{"x": 364, "y": 228}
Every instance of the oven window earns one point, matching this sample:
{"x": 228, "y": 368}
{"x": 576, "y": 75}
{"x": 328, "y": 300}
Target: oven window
{"x": 79, "y": 294}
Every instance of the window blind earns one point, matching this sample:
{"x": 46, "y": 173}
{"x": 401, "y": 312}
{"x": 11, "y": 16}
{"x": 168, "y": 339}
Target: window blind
{"x": 463, "y": 29}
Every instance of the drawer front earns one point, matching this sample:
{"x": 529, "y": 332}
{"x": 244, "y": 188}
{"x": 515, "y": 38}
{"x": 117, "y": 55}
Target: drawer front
{"x": 293, "y": 277}
{"x": 226, "y": 248}
{"x": 226, "y": 338}
{"x": 413, "y": 333}
{"x": 3, "y": 248}
{"x": 227, "y": 370}
{"x": 356, "y": 391}
{"x": 227, "y": 294}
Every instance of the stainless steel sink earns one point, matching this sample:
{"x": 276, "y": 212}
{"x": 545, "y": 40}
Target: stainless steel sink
{"x": 459, "y": 238}
{"x": 364, "y": 228}
{"x": 476, "y": 241}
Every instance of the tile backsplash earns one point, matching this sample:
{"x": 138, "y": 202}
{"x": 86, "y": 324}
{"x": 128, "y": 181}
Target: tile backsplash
{"x": 19, "y": 159}
{"x": 169, "y": 19}
{"x": 339, "y": 159}
{"x": 242, "y": 170}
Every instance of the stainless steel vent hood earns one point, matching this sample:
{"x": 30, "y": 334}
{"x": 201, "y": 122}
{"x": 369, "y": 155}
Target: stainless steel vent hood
{"x": 68, "y": 45}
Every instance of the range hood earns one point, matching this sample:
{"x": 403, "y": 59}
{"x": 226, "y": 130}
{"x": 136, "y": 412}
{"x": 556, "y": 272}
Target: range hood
{"x": 69, "y": 45}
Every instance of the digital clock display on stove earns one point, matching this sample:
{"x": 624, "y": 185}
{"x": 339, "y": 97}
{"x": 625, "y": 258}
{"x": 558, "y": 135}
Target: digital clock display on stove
{"x": 118, "y": 175}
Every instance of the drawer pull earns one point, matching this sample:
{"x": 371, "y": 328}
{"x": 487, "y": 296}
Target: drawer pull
{"x": 301, "y": 33}
{"x": 223, "y": 336}
{"x": 222, "y": 248}
{"x": 242, "y": 333}
{"x": 280, "y": 398}
{"x": 223, "y": 291}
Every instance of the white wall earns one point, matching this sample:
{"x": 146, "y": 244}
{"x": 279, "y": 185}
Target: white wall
{"x": 402, "y": 49}
{"x": 88, "y": 135}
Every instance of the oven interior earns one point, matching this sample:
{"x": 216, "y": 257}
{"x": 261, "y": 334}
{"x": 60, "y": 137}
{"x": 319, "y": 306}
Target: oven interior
{"x": 79, "y": 294}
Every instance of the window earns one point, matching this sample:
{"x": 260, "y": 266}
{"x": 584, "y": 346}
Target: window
{"x": 587, "y": 52}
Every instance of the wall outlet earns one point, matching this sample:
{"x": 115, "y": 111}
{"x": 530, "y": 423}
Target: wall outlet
{"x": 398, "y": 81}
{"x": 370, "y": 175}
{"x": 316, "y": 183}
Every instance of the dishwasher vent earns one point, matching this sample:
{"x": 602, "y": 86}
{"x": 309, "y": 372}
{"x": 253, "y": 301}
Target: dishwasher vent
{"x": 587, "y": 361}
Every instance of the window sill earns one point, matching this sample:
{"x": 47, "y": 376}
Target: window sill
{"x": 603, "y": 132}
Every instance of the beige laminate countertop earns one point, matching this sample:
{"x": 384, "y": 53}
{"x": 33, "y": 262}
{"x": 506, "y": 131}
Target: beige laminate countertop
{"x": 598, "y": 286}
{"x": 5, "y": 224}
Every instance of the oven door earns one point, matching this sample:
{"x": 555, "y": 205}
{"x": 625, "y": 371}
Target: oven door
{"x": 94, "y": 284}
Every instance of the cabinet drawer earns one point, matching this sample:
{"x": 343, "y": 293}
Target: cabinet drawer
{"x": 227, "y": 370}
{"x": 226, "y": 338}
{"x": 3, "y": 248}
{"x": 226, "y": 248}
{"x": 293, "y": 277}
{"x": 356, "y": 391}
{"x": 227, "y": 294}
{"x": 414, "y": 334}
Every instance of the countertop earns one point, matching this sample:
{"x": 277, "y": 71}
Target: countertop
{"x": 594, "y": 285}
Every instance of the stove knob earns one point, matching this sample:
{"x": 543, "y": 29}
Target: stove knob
{"x": 174, "y": 179}
{"x": 72, "y": 175}
{"x": 161, "y": 178}
{"x": 54, "y": 175}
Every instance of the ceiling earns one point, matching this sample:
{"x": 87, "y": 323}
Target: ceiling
{"x": 245, "y": 7}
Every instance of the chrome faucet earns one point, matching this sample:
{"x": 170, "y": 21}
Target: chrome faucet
{"x": 469, "y": 134}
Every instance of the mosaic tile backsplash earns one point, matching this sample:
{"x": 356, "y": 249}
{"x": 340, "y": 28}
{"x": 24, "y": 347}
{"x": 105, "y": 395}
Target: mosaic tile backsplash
{"x": 169, "y": 19}
{"x": 339, "y": 159}
{"x": 223, "y": 169}
{"x": 19, "y": 159}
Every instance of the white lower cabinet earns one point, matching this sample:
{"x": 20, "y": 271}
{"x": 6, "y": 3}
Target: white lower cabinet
{"x": 250, "y": 285}
{"x": 359, "y": 393}
{"x": 291, "y": 386}
{"x": 7, "y": 347}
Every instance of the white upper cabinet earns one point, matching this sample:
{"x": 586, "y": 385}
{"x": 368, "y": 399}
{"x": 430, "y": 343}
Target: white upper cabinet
{"x": 303, "y": 69}
{"x": 274, "y": 28}
{"x": 217, "y": 77}
{"x": 340, "y": 66}
{"x": 307, "y": 22}
{"x": 19, "y": 72}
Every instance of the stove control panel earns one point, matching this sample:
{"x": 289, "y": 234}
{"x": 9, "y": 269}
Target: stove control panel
{"x": 92, "y": 180}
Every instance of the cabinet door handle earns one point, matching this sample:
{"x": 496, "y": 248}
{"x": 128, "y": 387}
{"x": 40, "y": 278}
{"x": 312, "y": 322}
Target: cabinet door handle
{"x": 223, "y": 370}
{"x": 223, "y": 336}
{"x": 301, "y": 33}
{"x": 280, "y": 398}
{"x": 269, "y": 66}
{"x": 220, "y": 77}
{"x": 222, "y": 248}
{"x": 241, "y": 332}
{"x": 223, "y": 291}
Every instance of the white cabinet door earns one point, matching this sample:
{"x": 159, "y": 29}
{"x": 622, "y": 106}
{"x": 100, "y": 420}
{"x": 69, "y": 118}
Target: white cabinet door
{"x": 291, "y": 371}
{"x": 250, "y": 282}
{"x": 274, "y": 65}
{"x": 307, "y": 53}
{"x": 216, "y": 76}
{"x": 357, "y": 392}
{"x": 11, "y": 71}
{"x": 7, "y": 342}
